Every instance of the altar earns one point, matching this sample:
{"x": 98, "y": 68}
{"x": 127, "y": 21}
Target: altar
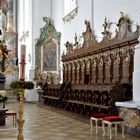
{"x": 130, "y": 111}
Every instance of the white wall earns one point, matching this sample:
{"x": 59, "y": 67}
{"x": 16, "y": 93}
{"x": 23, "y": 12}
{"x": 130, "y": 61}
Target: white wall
{"x": 30, "y": 17}
{"x": 111, "y": 9}
{"x": 76, "y": 25}
{"x": 136, "y": 74}
{"x": 42, "y": 8}
{"x": 101, "y": 8}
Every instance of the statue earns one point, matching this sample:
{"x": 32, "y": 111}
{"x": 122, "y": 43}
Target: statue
{"x": 106, "y": 33}
{"x": 2, "y": 21}
{"x": 4, "y": 52}
{"x": 76, "y": 42}
{"x": 94, "y": 65}
{"x": 3, "y": 15}
{"x": 69, "y": 47}
{"x": 48, "y": 79}
{"x": 87, "y": 35}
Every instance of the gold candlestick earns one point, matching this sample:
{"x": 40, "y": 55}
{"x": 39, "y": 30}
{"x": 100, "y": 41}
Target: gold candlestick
{"x": 20, "y": 118}
{"x": 21, "y": 86}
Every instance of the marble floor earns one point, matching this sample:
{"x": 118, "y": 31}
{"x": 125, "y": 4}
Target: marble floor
{"x": 46, "y": 123}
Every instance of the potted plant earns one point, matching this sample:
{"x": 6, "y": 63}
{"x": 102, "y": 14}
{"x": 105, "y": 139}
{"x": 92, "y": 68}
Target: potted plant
{"x": 3, "y": 99}
{"x": 22, "y": 85}
{"x": 19, "y": 86}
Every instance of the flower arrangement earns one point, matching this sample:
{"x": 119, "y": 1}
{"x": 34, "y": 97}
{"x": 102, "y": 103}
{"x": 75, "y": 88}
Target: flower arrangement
{"x": 22, "y": 85}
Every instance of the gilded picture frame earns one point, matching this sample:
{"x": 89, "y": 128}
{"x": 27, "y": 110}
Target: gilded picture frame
{"x": 48, "y": 49}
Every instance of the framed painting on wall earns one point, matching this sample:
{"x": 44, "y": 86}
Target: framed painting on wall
{"x": 48, "y": 51}
{"x": 50, "y": 56}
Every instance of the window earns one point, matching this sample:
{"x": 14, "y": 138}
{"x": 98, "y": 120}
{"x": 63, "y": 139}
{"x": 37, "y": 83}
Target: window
{"x": 70, "y": 9}
{"x": 69, "y": 5}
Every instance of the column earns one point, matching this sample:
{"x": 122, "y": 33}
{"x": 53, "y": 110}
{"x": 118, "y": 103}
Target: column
{"x": 100, "y": 71}
{"x": 136, "y": 73}
{"x": 69, "y": 72}
{"x": 73, "y": 73}
{"x": 108, "y": 71}
{"x": 10, "y": 16}
{"x": 64, "y": 72}
{"x": 94, "y": 72}
{"x": 82, "y": 73}
{"x": 78, "y": 74}
{"x": 88, "y": 68}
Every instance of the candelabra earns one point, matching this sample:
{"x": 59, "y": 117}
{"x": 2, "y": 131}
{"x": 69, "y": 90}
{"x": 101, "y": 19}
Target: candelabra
{"x": 20, "y": 119}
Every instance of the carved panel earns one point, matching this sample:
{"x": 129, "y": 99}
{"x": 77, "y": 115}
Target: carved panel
{"x": 116, "y": 66}
{"x": 83, "y": 68}
{"x": 78, "y": 73}
{"x": 126, "y": 62}
{"x": 94, "y": 72}
{"x": 108, "y": 68}
{"x": 108, "y": 61}
{"x": 73, "y": 73}
{"x": 69, "y": 72}
{"x": 100, "y": 73}
{"x": 130, "y": 117}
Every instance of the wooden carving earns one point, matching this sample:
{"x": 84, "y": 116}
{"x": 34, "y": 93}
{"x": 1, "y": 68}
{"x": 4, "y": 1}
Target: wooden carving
{"x": 108, "y": 68}
{"x": 112, "y": 58}
{"x": 94, "y": 72}
{"x": 98, "y": 74}
{"x": 78, "y": 73}
{"x": 83, "y": 68}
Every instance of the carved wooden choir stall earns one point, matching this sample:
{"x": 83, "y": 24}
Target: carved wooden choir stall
{"x": 97, "y": 74}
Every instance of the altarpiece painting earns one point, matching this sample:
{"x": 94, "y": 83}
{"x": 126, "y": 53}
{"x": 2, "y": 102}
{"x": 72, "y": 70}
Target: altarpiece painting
{"x": 47, "y": 49}
{"x": 50, "y": 56}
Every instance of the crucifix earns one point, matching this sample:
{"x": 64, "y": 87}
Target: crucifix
{"x": 22, "y": 63}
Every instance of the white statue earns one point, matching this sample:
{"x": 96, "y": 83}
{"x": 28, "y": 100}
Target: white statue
{"x": 3, "y": 21}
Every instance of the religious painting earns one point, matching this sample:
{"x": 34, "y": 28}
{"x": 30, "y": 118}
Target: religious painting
{"x": 50, "y": 56}
{"x": 48, "y": 52}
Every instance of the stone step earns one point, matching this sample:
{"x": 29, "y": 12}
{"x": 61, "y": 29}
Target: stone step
{"x": 12, "y": 99}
